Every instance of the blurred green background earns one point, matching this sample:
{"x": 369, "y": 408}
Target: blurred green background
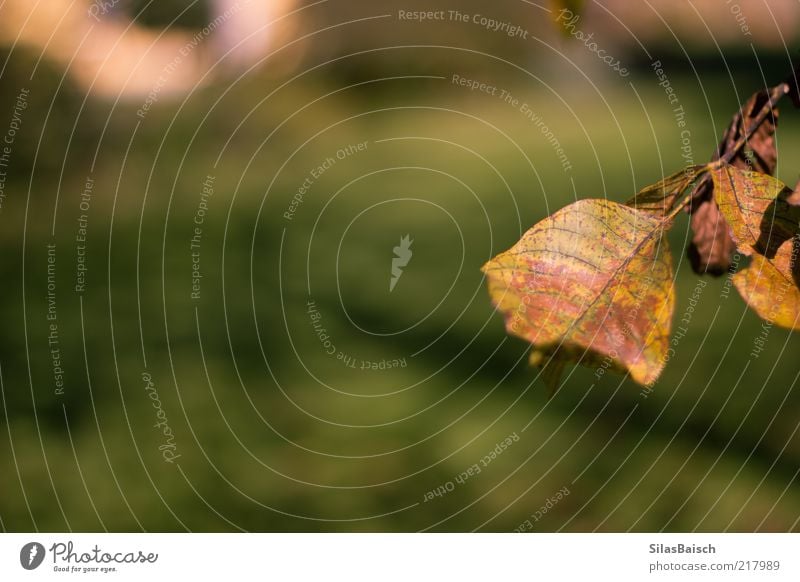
{"x": 276, "y": 434}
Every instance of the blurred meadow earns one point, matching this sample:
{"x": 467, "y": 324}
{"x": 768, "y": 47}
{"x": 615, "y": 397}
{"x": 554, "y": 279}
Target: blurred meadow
{"x": 275, "y": 425}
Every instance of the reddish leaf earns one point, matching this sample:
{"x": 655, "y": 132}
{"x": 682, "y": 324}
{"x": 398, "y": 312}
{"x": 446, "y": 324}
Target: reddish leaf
{"x": 712, "y": 247}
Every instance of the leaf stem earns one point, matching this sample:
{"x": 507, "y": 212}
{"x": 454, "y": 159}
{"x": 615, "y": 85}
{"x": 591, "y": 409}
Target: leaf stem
{"x": 686, "y": 200}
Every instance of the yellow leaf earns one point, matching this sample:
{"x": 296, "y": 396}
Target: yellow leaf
{"x": 769, "y": 293}
{"x": 591, "y": 284}
{"x": 766, "y": 226}
{"x": 756, "y": 208}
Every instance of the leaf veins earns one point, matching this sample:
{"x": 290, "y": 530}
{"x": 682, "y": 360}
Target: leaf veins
{"x": 591, "y": 284}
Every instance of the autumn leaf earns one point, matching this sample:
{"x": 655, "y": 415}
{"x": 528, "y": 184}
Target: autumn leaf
{"x": 591, "y": 284}
{"x": 660, "y": 198}
{"x": 765, "y": 225}
{"x": 759, "y": 153}
{"x": 711, "y": 247}
{"x": 768, "y": 292}
{"x": 757, "y": 208}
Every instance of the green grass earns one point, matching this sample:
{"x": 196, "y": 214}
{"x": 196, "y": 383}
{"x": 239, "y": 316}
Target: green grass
{"x": 713, "y": 447}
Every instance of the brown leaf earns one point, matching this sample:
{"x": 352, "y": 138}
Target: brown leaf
{"x": 759, "y": 154}
{"x": 711, "y": 247}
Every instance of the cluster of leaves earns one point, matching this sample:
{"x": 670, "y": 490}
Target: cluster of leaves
{"x": 593, "y": 283}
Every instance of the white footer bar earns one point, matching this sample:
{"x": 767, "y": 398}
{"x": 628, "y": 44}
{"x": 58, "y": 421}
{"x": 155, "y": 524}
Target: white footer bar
{"x": 401, "y": 557}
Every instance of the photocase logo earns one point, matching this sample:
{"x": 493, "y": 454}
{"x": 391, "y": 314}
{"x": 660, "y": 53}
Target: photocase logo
{"x": 402, "y": 256}
{"x": 31, "y": 555}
